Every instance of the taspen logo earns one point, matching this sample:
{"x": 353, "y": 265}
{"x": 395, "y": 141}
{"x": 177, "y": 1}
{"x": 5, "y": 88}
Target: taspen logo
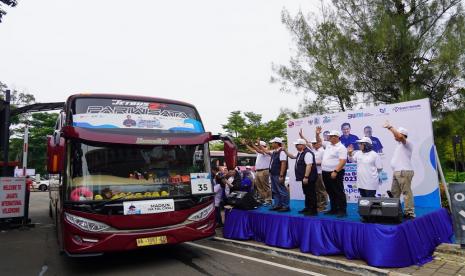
{"x": 383, "y": 111}
{"x": 290, "y": 124}
{"x": 406, "y": 108}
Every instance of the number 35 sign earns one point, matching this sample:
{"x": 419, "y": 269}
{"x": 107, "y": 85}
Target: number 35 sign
{"x": 200, "y": 183}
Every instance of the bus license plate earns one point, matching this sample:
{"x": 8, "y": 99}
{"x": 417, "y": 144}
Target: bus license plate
{"x": 152, "y": 241}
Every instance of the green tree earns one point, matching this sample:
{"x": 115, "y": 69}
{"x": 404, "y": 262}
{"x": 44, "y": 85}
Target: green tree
{"x": 217, "y": 146}
{"x": 378, "y": 51}
{"x": 40, "y": 125}
{"x": 17, "y": 99}
{"x": 249, "y": 126}
{"x": 11, "y": 3}
{"x": 235, "y": 123}
{"x": 445, "y": 128}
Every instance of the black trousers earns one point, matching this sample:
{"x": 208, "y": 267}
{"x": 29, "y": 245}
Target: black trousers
{"x": 219, "y": 220}
{"x": 310, "y": 195}
{"x": 335, "y": 190}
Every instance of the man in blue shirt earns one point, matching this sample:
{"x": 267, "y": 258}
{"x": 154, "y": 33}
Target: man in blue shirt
{"x": 377, "y": 146}
{"x": 347, "y": 138}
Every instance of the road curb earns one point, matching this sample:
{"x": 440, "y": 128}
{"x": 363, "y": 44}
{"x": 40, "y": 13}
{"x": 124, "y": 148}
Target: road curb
{"x": 345, "y": 266}
{"x": 450, "y": 249}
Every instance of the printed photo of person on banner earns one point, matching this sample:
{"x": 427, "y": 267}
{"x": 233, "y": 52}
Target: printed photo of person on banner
{"x": 375, "y": 142}
{"x": 347, "y": 138}
{"x": 129, "y": 122}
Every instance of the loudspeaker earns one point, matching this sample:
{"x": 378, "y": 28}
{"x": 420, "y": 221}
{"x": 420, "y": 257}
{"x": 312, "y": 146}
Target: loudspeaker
{"x": 242, "y": 200}
{"x": 377, "y": 209}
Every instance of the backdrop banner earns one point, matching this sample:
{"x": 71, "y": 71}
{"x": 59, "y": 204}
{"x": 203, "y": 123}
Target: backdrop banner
{"x": 457, "y": 196}
{"x": 415, "y": 116}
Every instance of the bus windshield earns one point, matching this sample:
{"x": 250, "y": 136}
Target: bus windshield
{"x": 133, "y": 172}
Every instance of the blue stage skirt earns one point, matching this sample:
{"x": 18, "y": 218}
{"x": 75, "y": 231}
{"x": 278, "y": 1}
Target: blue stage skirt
{"x": 409, "y": 243}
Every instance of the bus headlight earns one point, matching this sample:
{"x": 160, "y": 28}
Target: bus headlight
{"x": 86, "y": 224}
{"x": 202, "y": 213}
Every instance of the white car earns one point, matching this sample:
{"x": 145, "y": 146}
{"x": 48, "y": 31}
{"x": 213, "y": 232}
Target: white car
{"x": 41, "y": 185}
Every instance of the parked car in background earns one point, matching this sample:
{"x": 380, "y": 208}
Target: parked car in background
{"x": 41, "y": 185}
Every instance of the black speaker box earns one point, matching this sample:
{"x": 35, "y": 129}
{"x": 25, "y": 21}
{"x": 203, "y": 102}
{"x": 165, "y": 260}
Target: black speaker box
{"x": 380, "y": 209}
{"x": 242, "y": 200}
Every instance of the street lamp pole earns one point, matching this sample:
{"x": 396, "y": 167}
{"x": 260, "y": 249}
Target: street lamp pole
{"x": 6, "y": 132}
{"x": 25, "y": 149}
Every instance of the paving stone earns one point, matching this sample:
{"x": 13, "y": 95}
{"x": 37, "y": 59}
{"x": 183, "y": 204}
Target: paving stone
{"x": 442, "y": 274}
{"x": 424, "y": 271}
{"x": 447, "y": 271}
{"x": 437, "y": 262}
{"x": 453, "y": 249}
{"x": 452, "y": 266}
{"x": 433, "y": 265}
{"x": 408, "y": 270}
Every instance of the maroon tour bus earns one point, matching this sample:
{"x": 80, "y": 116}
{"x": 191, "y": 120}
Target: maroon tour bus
{"x": 130, "y": 172}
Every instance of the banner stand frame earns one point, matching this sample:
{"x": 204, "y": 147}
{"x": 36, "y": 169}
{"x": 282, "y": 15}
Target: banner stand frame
{"x": 442, "y": 178}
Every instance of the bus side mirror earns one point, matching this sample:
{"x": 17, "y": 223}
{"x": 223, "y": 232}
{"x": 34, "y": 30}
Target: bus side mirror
{"x": 56, "y": 137}
{"x": 230, "y": 153}
{"x": 55, "y": 154}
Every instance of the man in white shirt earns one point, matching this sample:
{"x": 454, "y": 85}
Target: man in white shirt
{"x": 306, "y": 174}
{"x": 262, "y": 165}
{"x": 278, "y": 167}
{"x": 317, "y": 149}
{"x": 401, "y": 164}
{"x": 332, "y": 165}
{"x": 321, "y": 195}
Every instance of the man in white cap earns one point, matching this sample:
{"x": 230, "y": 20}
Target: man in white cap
{"x": 401, "y": 164}
{"x": 262, "y": 174}
{"x": 278, "y": 167}
{"x": 321, "y": 194}
{"x": 332, "y": 165}
{"x": 306, "y": 174}
{"x": 317, "y": 149}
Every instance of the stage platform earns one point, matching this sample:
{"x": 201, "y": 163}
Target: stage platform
{"x": 382, "y": 245}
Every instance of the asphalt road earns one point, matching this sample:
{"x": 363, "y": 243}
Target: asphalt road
{"x": 33, "y": 251}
